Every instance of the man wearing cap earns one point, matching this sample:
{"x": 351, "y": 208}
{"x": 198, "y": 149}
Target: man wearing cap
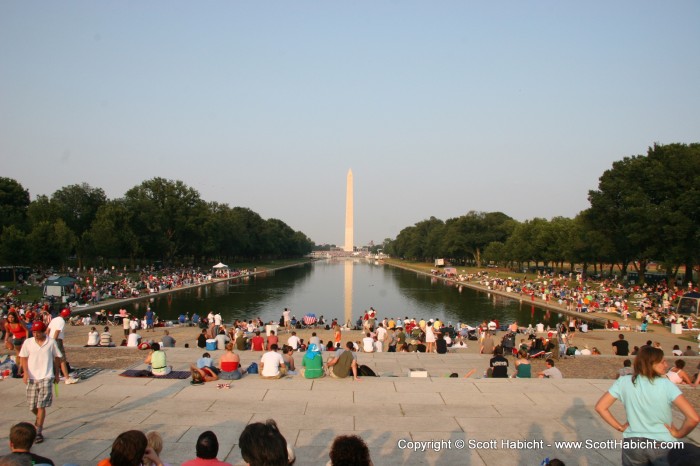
{"x": 55, "y": 331}
{"x": 39, "y": 357}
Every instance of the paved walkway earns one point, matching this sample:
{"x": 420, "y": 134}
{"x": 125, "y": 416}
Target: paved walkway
{"x": 388, "y": 412}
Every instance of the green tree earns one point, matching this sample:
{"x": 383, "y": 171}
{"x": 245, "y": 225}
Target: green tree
{"x": 559, "y": 247}
{"x": 77, "y": 206}
{"x": 519, "y": 246}
{"x": 588, "y": 245}
{"x": 111, "y": 232}
{"x": 13, "y": 245}
{"x": 14, "y": 203}
{"x": 412, "y": 242}
{"x": 495, "y": 251}
{"x": 649, "y": 206}
{"x": 675, "y": 187}
{"x": 251, "y": 225}
{"x": 41, "y": 210}
{"x": 467, "y": 236}
{"x": 166, "y": 217}
{"x": 50, "y": 243}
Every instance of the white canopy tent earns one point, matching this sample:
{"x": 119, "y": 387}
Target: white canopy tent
{"x": 220, "y": 267}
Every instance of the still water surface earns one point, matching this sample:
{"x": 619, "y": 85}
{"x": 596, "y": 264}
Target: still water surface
{"x": 344, "y": 289}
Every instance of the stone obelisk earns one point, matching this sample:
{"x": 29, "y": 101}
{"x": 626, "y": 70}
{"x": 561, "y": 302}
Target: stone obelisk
{"x": 349, "y": 227}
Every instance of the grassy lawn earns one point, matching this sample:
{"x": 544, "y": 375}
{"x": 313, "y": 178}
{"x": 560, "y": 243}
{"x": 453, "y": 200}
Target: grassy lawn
{"x": 492, "y": 271}
{"x": 27, "y": 292}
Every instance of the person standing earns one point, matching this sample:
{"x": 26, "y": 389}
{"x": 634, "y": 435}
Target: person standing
{"x": 149, "y": 320}
{"x": 55, "y": 332}
{"x": 126, "y": 325}
{"x": 337, "y": 335}
{"x": 372, "y": 317}
{"x": 430, "y": 337}
{"x": 400, "y": 337}
{"x": 285, "y": 316}
{"x": 40, "y": 358}
{"x": 392, "y": 341}
{"x": 382, "y": 337}
{"x": 487, "y": 344}
{"x": 648, "y": 398}
{"x": 15, "y": 332}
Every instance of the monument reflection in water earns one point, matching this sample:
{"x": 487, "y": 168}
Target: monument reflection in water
{"x": 344, "y": 289}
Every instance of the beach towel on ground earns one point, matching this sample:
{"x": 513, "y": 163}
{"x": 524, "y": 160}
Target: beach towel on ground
{"x": 145, "y": 373}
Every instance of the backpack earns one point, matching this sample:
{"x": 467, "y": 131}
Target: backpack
{"x": 253, "y": 368}
{"x": 571, "y": 351}
{"x": 366, "y": 371}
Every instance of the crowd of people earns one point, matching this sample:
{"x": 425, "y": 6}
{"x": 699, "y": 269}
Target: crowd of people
{"x": 94, "y": 287}
{"x": 645, "y": 388}
{"x": 42, "y": 357}
{"x": 652, "y": 302}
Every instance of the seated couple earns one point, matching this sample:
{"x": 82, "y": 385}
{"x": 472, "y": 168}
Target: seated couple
{"x": 340, "y": 366}
{"x": 229, "y": 367}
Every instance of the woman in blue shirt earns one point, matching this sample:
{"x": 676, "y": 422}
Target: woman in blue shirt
{"x": 648, "y": 397}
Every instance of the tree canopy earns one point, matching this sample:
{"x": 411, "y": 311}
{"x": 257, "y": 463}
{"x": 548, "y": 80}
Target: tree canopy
{"x": 157, "y": 220}
{"x": 646, "y": 207}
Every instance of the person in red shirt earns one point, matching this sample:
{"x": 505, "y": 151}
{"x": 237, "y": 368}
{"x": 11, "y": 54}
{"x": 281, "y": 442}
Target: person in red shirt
{"x": 272, "y": 339}
{"x": 257, "y": 343}
{"x": 15, "y": 333}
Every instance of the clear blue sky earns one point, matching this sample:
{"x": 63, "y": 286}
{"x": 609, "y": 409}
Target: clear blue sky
{"x": 438, "y": 107}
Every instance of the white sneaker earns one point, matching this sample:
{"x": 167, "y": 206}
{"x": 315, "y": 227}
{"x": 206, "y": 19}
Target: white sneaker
{"x": 71, "y": 380}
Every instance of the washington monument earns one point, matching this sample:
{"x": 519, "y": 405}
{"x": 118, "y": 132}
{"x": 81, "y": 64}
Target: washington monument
{"x": 349, "y": 228}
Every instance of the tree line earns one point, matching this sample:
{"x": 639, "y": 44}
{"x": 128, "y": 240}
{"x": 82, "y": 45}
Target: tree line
{"x": 157, "y": 220}
{"x": 646, "y": 208}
